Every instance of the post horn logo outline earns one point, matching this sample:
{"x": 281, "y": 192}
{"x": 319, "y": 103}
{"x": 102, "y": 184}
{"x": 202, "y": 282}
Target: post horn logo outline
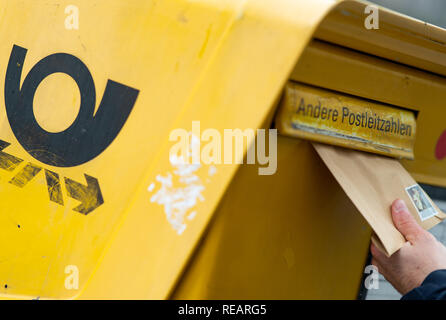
{"x": 89, "y": 135}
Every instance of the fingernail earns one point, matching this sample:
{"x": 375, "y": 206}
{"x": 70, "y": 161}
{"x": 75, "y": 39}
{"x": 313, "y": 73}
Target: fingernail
{"x": 399, "y": 205}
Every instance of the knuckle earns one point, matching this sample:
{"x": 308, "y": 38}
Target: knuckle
{"x": 423, "y": 235}
{"x": 405, "y": 224}
{"x": 428, "y": 236}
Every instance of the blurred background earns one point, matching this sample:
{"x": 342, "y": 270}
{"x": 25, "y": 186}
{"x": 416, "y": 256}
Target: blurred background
{"x": 434, "y": 12}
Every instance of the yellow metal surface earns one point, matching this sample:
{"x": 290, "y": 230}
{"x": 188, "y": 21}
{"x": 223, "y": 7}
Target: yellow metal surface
{"x": 296, "y": 235}
{"x": 330, "y": 117}
{"x": 399, "y": 38}
{"x": 187, "y": 60}
{"x": 74, "y": 200}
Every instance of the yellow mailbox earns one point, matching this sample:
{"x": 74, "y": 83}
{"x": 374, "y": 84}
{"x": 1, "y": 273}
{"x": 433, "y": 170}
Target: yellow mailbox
{"x": 91, "y": 91}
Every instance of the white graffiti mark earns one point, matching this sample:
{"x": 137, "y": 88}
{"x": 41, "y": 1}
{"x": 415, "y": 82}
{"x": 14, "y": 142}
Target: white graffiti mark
{"x": 212, "y": 170}
{"x": 180, "y": 189}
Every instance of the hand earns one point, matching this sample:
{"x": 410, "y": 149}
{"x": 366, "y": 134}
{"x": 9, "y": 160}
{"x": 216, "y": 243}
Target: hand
{"x": 421, "y": 255}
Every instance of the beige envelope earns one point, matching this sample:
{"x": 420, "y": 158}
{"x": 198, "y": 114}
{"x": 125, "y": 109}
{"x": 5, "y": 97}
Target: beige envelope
{"x": 373, "y": 182}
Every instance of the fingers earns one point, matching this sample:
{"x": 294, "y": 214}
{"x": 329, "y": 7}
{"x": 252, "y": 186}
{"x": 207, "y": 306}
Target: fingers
{"x": 378, "y": 256}
{"x": 404, "y": 222}
{"x": 376, "y": 264}
{"x": 376, "y": 252}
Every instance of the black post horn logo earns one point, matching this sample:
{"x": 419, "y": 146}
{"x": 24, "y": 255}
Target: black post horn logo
{"x": 89, "y": 134}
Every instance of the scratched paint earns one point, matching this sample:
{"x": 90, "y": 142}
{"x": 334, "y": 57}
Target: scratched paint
{"x": 180, "y": 189}
{"x": 89, "y": 195}
{"x": 54, "y": 187}
{"x": 25, "y": 175}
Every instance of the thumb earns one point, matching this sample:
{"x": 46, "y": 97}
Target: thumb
{"x": 404, "y": 222}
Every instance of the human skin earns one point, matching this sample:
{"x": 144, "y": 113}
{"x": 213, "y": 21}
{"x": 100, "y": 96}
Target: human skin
{"x": 421, "y": 255}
